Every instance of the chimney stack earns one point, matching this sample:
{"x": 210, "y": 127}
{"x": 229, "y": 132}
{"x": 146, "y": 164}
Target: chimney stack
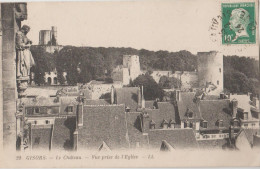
{"x": 112, "y": 95}
{"x": 177, "y": 95}
{"x": 80, "y": 114}
{"x": 75, "y": 139}
{"x": 139, "y": 98}
{"x": 234, "y": 103}
{"x": 256, "y": 102}
{"x": 143, "y": 100}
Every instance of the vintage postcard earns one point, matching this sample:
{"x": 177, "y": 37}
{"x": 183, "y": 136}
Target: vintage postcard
{"x": 137, "y": 83}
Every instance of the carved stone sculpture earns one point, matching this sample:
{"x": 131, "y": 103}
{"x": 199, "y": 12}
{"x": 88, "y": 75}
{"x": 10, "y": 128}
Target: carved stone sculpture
{"x": 24, "y": 57}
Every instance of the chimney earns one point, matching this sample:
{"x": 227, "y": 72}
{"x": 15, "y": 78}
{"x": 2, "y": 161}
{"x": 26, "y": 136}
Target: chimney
{"x": 177, "y": 95}
{"x": 256, "y": 102}
{"x": 75, "y": 139}
{"x": 143, "y": 100}
{"x": 139, "y": 98}
{"x": 112, "y": 95}
{"x": 222, "y": 96}
{"x": 231, "y": 133}
{"x": 234, "y": 103}
{"x": 80, "y": 114}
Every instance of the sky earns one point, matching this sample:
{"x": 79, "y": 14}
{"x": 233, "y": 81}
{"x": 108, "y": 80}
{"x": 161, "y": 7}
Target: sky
{"x": 171, "y": 25}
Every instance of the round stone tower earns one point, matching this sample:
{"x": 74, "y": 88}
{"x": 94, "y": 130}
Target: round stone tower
{"x": 210, "y": 72}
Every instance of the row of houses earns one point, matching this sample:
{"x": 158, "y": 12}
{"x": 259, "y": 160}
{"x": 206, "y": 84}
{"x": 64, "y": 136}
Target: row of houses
{"x": 73, "y": 121}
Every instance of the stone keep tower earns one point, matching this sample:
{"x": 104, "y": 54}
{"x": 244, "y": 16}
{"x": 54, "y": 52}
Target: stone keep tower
{"x": 210, "y": 72}
{"x": 131, "y": 68}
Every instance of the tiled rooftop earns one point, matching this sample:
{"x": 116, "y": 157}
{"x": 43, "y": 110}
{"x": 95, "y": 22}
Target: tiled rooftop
{"x": 212, "y": 111}
{"x": 128, "y": 96}
{"x": 63, "y": 133}
{"x": 103, "y": 123}
{"x": 96, "y": 102}
{"x": 187, "y": 104}
{"x": 133, "y": 127}
{"x": 41, "y": 138}
{"x": 177, "y": 138}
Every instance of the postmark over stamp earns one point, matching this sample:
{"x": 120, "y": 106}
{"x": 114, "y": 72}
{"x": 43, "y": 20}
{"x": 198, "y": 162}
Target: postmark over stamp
{"x": 238, "y": 23}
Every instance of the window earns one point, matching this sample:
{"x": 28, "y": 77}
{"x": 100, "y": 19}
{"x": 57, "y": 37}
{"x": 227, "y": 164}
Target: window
{"x": 219, "y": 70}
{"x": 190, "y": 115}
{"x": 245, "y": 116}
{"x": 204, "y": 124}
{"x": 36, "y": 110}
{"x": 235, "y": 123}
{"x": 246, "y": 125}
{"x": 47, "y": 122}
{"x": 220, "y": 123}
{"x": 217, "y": 82}
{"x": 43, "y": 110}
{"x": 29, "y": 111}
{"x": 213, "y": 136}
{"x": 70, "y": 108}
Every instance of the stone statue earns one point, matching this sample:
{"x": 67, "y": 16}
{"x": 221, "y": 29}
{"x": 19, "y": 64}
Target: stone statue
{"x": 24, "y": 57}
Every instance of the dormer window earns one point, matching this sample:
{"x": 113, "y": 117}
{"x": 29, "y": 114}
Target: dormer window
{"x": 190, "y": 115}
{"x": 152, "y": 124}
{"x": 70, "y": 109}
{"x": 165, "y": 124}
{"x": 204, "y": 124}
{"x": 245, "y": 115}
{"x": 220, "y": 123}
{"x": 172, "y": 124}
{"x": 235, "y": 123}
{"x": 47, "y": 121}
{"x": 186, "y": 124}
{"x": 127, "y": 109}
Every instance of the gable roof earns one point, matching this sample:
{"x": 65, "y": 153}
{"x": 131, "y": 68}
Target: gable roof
{"x": 177, "y": 138}
{"x": 40, "y": 92}
{"x": 250, "y": 134}
{"x": 97, "y": 102}
{"x": 103, "y": 123}
{"x": 63, "y": 133}
{"x": 41, "y": 138}
{"x": 149, "y": 104}
{"x": 166, "y": 111}
{"x": 40, "y": 101}
{"x": 104, "y": 147}
{"x": 134, "y": 130}
{"x": 211, "y": 111}
{"x": 187, "y": 103}
{"x": 128, "y": 96}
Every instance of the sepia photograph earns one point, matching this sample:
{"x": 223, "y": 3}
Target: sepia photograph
{"x": 135, "y": 83}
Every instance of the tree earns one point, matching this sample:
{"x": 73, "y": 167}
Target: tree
{"x": 169, "y": 82}
{"x": 236, "y": 82}
{"x": 44, "y": 62}
{"x": 151, "y": 89}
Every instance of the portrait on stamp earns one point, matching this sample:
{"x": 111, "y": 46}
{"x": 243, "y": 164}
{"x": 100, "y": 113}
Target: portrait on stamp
{"x": 238, "y": 23}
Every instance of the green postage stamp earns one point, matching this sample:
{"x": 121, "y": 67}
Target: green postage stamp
{"x": 238, "y": 23}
